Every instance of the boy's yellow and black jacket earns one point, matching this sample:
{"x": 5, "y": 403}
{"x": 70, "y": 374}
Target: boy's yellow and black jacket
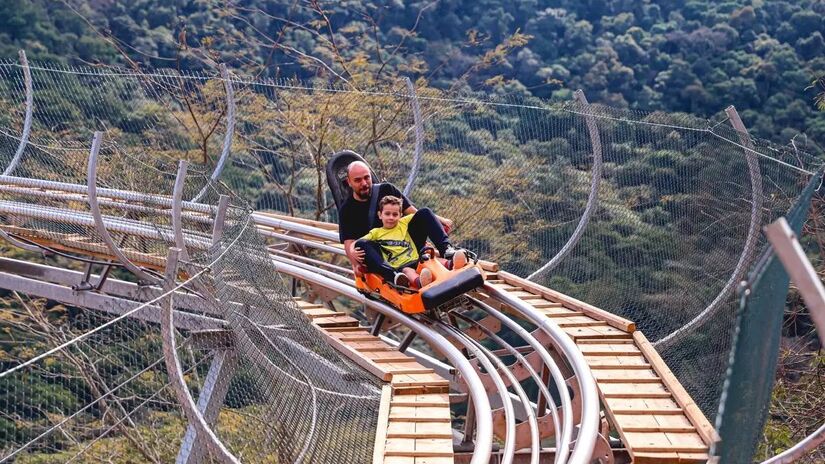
{"x": 396, "y": 244}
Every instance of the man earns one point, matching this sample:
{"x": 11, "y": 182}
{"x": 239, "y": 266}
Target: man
{"x": 354, "y": 222}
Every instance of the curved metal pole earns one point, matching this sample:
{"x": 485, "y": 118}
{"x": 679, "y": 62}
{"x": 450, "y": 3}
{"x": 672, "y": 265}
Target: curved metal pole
{"x": 27, "y": 122}
{"x": 177, "y": 199}
{"x": 589, "y": 429}
{"x": 484, "y": 422}
{"x": 748, "y": 250}
{"x": 483, "y": 357}
{"x": 419, "y": 136}
{"x": 230, "y": 131}
{"x": 794, "y": 453}
{"x": 546, "y": 358}
{"x": 592, "y": 198}
{"x": 98, "y": 217}
{"x": 173, "y": 367}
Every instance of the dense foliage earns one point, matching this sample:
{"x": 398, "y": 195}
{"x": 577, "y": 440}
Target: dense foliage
{"x": 696, "y": 56}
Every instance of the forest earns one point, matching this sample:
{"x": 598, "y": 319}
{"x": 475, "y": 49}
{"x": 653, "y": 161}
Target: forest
{"x": 648, "y": 248}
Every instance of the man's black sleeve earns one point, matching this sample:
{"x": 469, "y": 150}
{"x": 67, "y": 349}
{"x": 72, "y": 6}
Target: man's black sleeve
{"x": 393, "y": 190}
{"x": 344, "y": 232}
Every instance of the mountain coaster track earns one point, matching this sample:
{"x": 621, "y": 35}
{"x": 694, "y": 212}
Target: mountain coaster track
{"x": 595, "y": 372}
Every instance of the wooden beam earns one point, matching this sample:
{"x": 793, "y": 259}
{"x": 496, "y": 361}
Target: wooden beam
{"x": 570, "y": 302}
{"x": 383, "y": 423}
{"x": 682, "y": 398}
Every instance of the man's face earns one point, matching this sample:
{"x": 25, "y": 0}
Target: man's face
{"x": 360, "y": 182}
{"x": 389, "y": 215}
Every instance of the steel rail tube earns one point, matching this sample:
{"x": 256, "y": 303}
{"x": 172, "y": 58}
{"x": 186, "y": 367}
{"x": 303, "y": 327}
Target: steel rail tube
{"x": 532, "y": 421}
{"x": 276, "y": 223}
{"x": 58, "y": 195}
{"x": 323, "y": 272}
{"x": 797, "y": 451}
{"x": 305, "y": 259}
{"x": 535, "y": 438}
{"x": 748, "y": 249}
{"x": 128, "y": 195}
{"x": 177, "y": 198}
{"x": 545, "y": 357}
{"x": 25, "y": 246}
{"x": 589, "y": 429}
{"x": 121, "y": 225}
{"x": 301, "y": 241}
{"x": 484, "y": 358}
{"x": 592, "y": 198}
{"x": 27, "y": 121}
{"x": 484, "y": 424}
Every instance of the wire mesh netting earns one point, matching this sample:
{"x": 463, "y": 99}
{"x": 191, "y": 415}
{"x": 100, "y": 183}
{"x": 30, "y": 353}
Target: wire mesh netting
{"x": 86, "y": 381}
{"x": 665, "y": 208}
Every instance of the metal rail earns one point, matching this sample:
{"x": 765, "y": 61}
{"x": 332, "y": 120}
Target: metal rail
{"x": 484, "y": 425}
{"x": 586, "y": 439}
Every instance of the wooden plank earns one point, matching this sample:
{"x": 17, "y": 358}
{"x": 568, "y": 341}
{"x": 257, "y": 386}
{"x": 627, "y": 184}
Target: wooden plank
{"x": 434, "y": 460}
{"x": 634, "y": 390}
{"x": 398, "y": 429}
{"x": 298, "y": 220}
{"x": 656, "y": 458}
{"x": 608, "y": 349}
{"x": 424, "y": 380}
{"x": 689, "y": 442}
{"x": 694, "y": 414}
{"x": 570, "y": 302}
{"x": 559, "y": 312}
{"x": 411, "y": 367}
{"x": 419, "y": 414}
{"x": 488, "y": 266}
{"x": 544, "y": 304}
{"x": 368, "y": 364}
{"x": 604, "y": 361}
{"x": 655, "y": 423}
{"x": 525, "y": 296}
{"x": 595, "y": 332}
{"x": 431, "y": 400}
{"x": 643, "y": 406}
{"x": 336, "y": 321}
{"x": 627, "y": 340}
{"x": 383, "y": 422}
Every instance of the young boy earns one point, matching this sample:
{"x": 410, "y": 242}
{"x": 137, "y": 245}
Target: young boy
{"x": 397, "y": 247}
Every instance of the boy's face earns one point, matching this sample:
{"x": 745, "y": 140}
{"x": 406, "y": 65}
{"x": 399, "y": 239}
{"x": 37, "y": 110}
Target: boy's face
{"x": 389, "y": 215}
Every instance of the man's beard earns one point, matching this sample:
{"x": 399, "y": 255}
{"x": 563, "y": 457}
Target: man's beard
{"x": 365, "y": 196}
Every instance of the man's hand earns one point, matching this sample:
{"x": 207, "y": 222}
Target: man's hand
{"x": 447, "y": 223}
{"x": 357, "y": 255}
